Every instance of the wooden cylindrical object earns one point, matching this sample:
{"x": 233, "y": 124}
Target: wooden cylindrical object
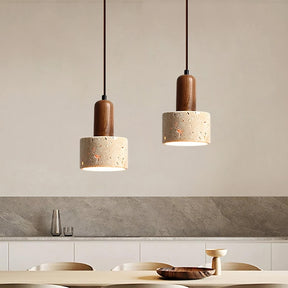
{"x": 103, "y": 118}
{"x": 186, "y": 93}
{"x": 216, "y": 265}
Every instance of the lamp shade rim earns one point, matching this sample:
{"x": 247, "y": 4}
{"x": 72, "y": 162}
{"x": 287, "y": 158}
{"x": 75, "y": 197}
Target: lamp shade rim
{"x": 179, "y": 112}
{"x": 185, "y": 143}
{"x": 104, "y": 168}
{"x": 103, "y": 137}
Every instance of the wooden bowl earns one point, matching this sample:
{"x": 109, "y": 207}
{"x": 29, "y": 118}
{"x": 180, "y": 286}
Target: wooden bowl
{"x": 185, "y": 273}
{"x": 216, "y": 252}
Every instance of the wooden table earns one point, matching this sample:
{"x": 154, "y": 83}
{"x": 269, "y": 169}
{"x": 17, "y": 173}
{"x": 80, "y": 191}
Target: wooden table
{"x": 103, "y": 278}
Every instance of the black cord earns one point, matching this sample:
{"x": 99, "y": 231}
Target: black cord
{"x": 186, "y": 71}
{"x": 104, "y": 96}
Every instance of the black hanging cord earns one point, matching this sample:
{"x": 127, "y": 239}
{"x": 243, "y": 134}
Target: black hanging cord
{"x": 104, "y": 96}
{"x": 186, "y": 71}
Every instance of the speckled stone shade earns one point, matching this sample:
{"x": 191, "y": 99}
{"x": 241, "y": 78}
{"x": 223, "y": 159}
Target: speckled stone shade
{"x": 186, "y": 128}
{"x": 104, "y": 153}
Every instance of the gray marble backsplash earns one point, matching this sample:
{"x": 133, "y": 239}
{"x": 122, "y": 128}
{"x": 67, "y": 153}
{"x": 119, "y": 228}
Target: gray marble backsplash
{"x": 147, "y": 216}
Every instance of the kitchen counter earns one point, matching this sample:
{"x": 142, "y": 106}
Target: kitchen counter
{"x": 101, "y": 238}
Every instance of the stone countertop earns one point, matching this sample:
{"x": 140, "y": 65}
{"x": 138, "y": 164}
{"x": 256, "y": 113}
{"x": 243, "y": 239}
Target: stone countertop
{"x": 101, "y": 238}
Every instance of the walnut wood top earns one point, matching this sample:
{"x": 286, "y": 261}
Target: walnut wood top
{"x": 103, "y": 118}
{"x": 186, "y": 93}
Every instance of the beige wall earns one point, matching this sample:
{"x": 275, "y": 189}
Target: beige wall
{"x": 51, "y": 75}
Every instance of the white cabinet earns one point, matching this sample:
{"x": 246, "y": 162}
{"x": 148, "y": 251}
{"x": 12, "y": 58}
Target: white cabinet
{"x": 26, "y": 254}
{"x": 176, "y": 253}
{"x": 105, "y": 255}
{"x": 4, "y": 256}
{"x": 256, "y": 253}
{"x": 279, "y": 256}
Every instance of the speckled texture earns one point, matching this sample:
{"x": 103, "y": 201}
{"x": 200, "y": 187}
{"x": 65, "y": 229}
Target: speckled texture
{"x": 147, "y": 216}
{"x": 104, "y": 151}
{"x": 186, "y": 126}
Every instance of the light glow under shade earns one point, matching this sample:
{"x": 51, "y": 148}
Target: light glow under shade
{"x": 103, "y": 169}
{"x": 185, "y": 143}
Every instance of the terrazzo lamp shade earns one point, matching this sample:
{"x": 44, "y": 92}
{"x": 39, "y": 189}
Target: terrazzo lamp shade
{"x": 103, "y": 152}
{"x": 186, "y": 126}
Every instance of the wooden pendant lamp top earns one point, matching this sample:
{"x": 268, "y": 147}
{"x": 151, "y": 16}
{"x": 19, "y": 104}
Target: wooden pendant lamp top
{"x": 186, "y": 93}
{"x": 103, "y": 118}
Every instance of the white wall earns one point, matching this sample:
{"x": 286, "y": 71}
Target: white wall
{"x": 51, "y": 75}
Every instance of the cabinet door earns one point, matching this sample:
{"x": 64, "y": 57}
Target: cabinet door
{"x": 4, "y": 256}
{"x": 105, "y": 255}
{"x": 279, "y": 256}
{"x": 176, "y": 253}
{"x": 255, "y": 253}
{"x": 24, "y": 255}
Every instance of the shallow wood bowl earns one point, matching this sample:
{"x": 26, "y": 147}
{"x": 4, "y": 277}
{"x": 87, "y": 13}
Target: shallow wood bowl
{"x": 216, "y": 252}
{"x": 185, "y": 273}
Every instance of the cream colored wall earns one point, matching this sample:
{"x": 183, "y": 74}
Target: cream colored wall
{"x": 51, "y": 75}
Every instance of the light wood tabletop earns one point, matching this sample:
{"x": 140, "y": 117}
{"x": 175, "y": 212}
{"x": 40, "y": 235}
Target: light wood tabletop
{"x": 103, "y": 278}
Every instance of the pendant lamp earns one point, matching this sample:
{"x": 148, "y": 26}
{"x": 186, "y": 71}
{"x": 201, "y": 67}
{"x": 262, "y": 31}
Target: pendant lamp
{"x": 186, "y": 126}
{"x": 104, "y": 151}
